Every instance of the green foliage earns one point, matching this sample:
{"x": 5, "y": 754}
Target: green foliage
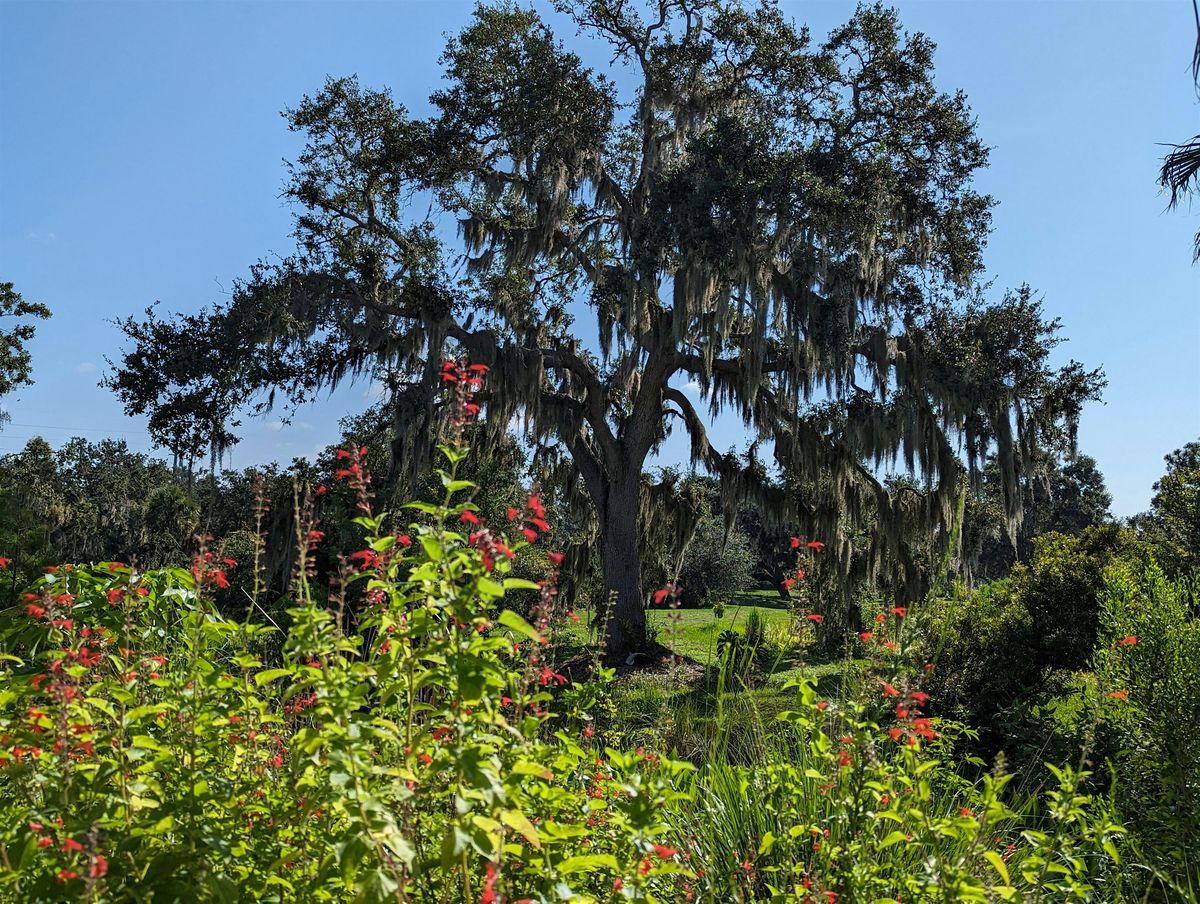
{"x": 89, "y": 502}
{"x": 1173, "y": 523}
{"x": 840, "y": 808}
{"x": 1149, "y": 655}
{"x": 15, "y": 364}
{"x": 996, "y": 647}
{"x": 716, "y": 565}
{"x": 1059, "y": 496}
{"x": 427, "y": 748}
{"x": 151, "y": 750}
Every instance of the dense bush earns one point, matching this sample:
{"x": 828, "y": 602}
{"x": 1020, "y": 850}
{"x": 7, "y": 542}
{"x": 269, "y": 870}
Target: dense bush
{"x": 427, "y": 749}
{"x": 1148, "y": 697}
{"x": 412, "y": 754}
{"x": 716, "y": 565}
{"x": 1013, "y": 642}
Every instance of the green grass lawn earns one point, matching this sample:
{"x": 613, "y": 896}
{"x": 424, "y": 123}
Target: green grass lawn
{"x": 693, "y": 632}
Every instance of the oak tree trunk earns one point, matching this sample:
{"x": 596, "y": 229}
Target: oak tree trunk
{"x": 623, "y": 568}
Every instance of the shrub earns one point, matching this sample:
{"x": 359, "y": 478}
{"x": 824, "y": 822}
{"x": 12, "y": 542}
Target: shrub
{"x": 1148, "y": 678}
{"x": 414, "y": 753}
{"x": 716, "y": 565}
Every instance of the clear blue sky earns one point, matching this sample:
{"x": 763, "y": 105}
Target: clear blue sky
{"x": 141, "y": 159}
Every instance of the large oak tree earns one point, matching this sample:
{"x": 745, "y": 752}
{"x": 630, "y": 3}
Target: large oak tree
{"x": 789, "y": 225}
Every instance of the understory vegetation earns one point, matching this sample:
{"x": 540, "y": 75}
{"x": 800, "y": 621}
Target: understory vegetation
{"x": 421, "y": 723}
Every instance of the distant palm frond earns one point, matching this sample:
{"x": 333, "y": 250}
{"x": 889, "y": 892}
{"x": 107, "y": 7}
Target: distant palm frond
{"x": 1180, "y": 174}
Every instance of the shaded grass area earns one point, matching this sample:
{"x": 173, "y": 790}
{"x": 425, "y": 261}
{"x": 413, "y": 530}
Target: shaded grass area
{"x": 693, "y": 633}
{"x": 704, "y": 712}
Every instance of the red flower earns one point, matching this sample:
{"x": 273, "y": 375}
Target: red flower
{"x": 512, "y": 513}
{"x": 218, "y": 577}
{"x": 4, "y": 562}
{"x": 899, "y": 611}
{"x": 367, "y": 558}
{"x": 844, "y": 759}
{"x": 866, "y": 636}
{"x": 556, "y": 558}
{"x": 664, "y": 852}
{"x": 919, "y": 697}
{"x": 1127, "y": 641}
{"x": 72, "y": 845}
{"x": 787, "y": 583}
{"x": 115, "y": 594}
{"x": 548, "y": 675}
{"x": 98, "y": 868}
{"x": 1123, "y": 696}
{"x": 816, "y": 545}
{"x": 35, "y": 611}
{"x": 489, "y": 884}
{"x": 660, "y": 596}
{"x": 530, "y": 534}
{"x": 795, "y": 542}
{"x": 65, "y": 875}
{"x": 889, "y": 691}
{"x": 815, "y": 618}
{"x": 44, "y": 841}
{"x": 404, "y": 540}
{"x": 468, "y": 517}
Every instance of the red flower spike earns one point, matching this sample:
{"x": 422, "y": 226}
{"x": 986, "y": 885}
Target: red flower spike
{"x": 795, "y": 543}
{"x": 1123, "y": 696}
{"x": 1127, "y": 641}
{"x": 469, "y": 517}
{"x": 815, "y": 618}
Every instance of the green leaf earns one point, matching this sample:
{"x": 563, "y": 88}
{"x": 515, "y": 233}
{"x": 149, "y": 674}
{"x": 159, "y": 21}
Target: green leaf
{"x": 489, "y": 589}
{"x": 520, "y": 584}
{"x": 997, "y": 863}
{"x": 510, "y": 619}
{"x": 517, "y": 820}
{"x": 894, "y": 837}
{"x": 588, "y": 862}
{"x": 266, "y": 677}
{"x": 433, "y": 549}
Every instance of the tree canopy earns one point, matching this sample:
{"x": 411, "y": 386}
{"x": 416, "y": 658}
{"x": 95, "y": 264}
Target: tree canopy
{"x": 15, "y": 363}
{"x": 788, "y": 224}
